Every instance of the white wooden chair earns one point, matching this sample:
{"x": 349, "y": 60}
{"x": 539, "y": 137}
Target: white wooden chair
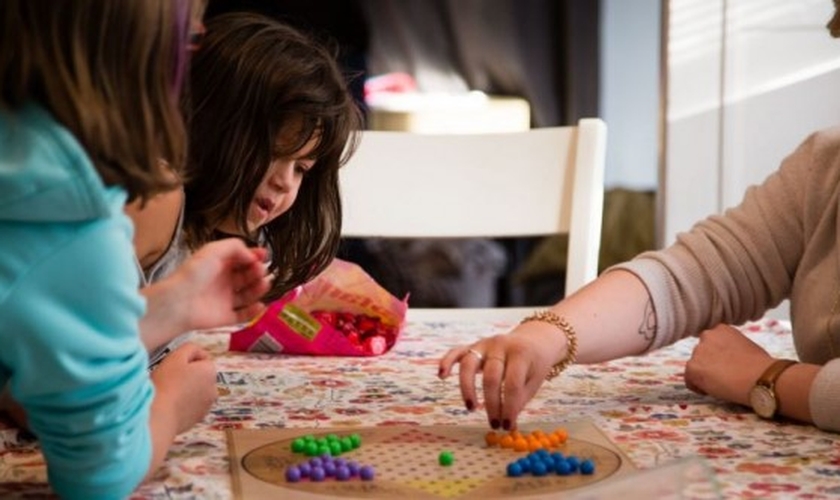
{"x": 537, "y": 182}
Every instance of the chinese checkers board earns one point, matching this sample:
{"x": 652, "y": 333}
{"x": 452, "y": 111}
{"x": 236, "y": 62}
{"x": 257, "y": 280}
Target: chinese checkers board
{"x": 409, "y": 463}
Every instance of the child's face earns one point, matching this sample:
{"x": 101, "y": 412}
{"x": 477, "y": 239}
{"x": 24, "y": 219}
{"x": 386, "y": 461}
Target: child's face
{"x": 277, "y": 191}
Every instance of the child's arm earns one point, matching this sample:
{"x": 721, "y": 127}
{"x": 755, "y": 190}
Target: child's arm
{"x": 185, "y": 383}
{"x": 185, "y": 388}
{"x": 71, "y": 344}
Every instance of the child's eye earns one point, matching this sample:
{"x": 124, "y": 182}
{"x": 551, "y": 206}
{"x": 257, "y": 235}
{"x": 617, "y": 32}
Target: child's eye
{"x": 303, "y": 168}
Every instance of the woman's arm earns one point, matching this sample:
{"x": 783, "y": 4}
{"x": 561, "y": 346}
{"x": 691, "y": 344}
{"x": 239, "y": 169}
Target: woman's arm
{"x": 727, "y": 269}
{"x": 611, "y": 317}
{"x": 726, "y": 364}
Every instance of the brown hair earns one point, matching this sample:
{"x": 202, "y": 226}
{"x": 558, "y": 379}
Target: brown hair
{"x": 110, "y": 72}
{"x": 834, "y": 23}
{"x": 251, "y": 79}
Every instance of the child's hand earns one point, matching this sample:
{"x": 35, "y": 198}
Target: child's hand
{"x": 219, "y": 285}
{"x": 222, "y": 283}
{"x": 185, "y": 385}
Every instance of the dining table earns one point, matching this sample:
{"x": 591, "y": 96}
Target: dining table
{"x": 640, "y": 403}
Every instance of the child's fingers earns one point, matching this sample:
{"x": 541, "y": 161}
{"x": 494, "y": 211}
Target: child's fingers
{"x": 250, "y": 275}
{"x": 199, "y": 354}
{"x": 189, "y": 352}
{"x": 249, "y": 312}
{"x": 252, "y": 291}
{"x": 235, "y": 252}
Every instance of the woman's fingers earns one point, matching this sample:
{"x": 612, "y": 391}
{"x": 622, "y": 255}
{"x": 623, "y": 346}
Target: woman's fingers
{"x": 517, "y": 389}
{"x": 449, "y": 359}
{"x": 508, "y": 378}
{"x": 470, "y": 364}
{"x": 492, "y": 383}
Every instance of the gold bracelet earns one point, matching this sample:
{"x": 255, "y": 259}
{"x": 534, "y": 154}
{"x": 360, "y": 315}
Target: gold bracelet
{"x": 571, "y": 338}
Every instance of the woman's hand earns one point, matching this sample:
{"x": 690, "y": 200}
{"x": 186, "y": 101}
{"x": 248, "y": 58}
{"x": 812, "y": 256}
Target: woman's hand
{"x": 513, "y": 367}
{"x": 725, "y": 364}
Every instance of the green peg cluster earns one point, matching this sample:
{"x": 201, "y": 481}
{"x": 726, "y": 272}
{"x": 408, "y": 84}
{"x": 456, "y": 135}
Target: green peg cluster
{"x": 332, "y": 445}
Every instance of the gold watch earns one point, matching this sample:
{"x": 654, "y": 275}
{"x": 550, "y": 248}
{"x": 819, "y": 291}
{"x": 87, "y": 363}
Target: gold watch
{"x": 763, "y": 394}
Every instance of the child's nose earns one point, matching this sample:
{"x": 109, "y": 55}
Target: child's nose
{"x": 283, "y": 176}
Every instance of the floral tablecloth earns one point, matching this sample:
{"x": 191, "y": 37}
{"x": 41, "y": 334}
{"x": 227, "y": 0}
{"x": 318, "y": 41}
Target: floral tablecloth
{"x": 640, "y": 403}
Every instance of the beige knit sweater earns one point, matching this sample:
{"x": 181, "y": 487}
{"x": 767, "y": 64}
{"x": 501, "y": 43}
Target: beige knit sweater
{"x": 780, "y": 242}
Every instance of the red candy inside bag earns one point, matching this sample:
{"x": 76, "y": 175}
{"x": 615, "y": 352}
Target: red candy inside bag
{"x": 362, "y": 330}
{"x": 341, "y": 312}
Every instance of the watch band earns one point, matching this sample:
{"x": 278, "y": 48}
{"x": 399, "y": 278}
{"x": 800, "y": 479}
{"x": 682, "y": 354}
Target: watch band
{"x": 774, "y": 371}
{"x": 763, "y": 398}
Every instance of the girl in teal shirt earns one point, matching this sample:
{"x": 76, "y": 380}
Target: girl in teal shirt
{"x": 88, "y": 107}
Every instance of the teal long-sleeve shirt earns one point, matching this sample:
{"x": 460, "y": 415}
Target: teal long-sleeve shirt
{"x": 69, "y": 311}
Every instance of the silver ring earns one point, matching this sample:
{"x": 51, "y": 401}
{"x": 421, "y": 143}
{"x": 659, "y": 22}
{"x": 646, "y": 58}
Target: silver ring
{"x": 477, "y": 354}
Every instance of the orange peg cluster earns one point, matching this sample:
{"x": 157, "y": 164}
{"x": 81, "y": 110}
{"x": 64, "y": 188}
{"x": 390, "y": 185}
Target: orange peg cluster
{"x": 527, "y": 441}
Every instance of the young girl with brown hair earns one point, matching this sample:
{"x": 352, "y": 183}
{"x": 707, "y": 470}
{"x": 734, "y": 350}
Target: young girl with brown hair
{"x": 270, "y": 121}
{"x": 270, "y": 118}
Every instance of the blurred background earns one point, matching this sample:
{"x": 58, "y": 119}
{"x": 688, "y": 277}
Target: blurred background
{"x": 701, "y": 97}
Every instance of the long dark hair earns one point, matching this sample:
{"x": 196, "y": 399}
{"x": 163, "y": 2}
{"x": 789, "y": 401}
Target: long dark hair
{"x": 251, "y": 79}
{"x": 110, "y": 71}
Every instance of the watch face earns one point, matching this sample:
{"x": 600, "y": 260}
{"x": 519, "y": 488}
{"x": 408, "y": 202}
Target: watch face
{"x": 763, "y": 401}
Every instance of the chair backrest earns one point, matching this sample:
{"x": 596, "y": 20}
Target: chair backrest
{"x": 537, "y": 182}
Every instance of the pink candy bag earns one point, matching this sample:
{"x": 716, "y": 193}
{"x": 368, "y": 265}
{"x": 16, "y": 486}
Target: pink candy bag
{"x": 341, "y": 312}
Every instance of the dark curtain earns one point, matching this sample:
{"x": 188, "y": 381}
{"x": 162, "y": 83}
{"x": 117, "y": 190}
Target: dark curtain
{"x": 546, "y": 51}
{"x": 339, "y": 24}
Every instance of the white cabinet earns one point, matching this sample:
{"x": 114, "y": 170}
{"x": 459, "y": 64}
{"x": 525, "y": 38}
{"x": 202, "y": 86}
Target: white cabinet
{"x": 748, "y": 80}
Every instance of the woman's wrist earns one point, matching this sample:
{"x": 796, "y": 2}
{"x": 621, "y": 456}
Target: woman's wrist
{"x": 567, "y": 334}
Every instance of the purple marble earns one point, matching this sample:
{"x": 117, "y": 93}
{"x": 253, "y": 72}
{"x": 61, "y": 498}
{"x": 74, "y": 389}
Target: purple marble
{"x": 318, "y": 474}
{"x": 367, "y": 473}
{"x": 305, "y": 469}
{"x": 293, "y": 474}
{"x": 342, "y": 473}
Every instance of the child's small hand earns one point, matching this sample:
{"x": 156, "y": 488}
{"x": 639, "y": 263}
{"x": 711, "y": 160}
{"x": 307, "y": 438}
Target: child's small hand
{"x": 220, "y": 285}
{"x": 223, "y": 284}
{"x": 185, "y": 383}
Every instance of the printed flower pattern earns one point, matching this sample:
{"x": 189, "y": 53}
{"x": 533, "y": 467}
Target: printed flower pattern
{"x": 641, "y": 403}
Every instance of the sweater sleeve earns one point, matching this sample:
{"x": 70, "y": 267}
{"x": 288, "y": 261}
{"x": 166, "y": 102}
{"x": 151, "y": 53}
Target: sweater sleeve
{"x": 824, "y": 397}
{"x": 77, "y": 364}
{"x": 731, "y": 268}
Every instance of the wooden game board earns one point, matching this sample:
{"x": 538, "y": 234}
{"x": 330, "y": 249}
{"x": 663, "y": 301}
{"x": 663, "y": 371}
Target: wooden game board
{"x": 406, "y": 463}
